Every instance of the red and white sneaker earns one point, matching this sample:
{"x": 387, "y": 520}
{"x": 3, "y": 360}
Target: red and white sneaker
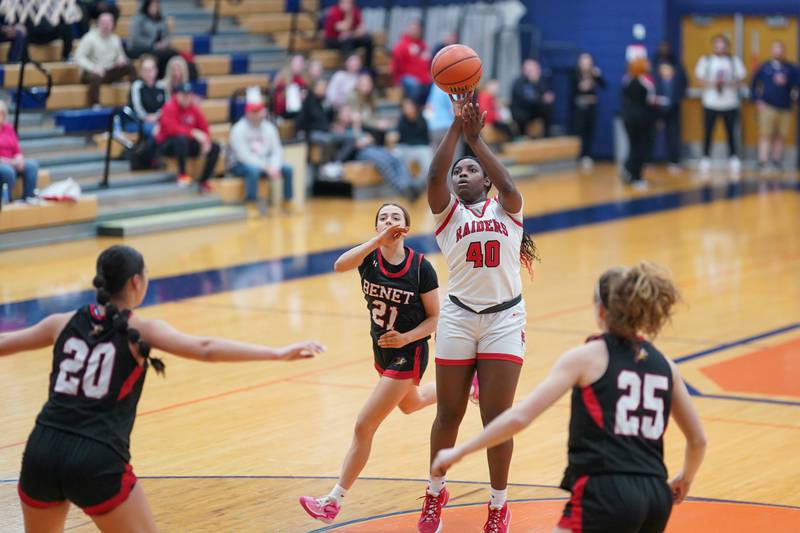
{"x": 474, "y": 392}
{"x": 184, "y": 180}
{"x": 430, "y": 520}
{"x": 498, "y": 520}
{"x": 323, "y": 509}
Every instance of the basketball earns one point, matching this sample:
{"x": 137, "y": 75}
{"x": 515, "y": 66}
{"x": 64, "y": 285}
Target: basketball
{"x": 456, "y": 69}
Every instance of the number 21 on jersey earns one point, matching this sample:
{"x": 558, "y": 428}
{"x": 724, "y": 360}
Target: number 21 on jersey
{"x": 379, "y": 312}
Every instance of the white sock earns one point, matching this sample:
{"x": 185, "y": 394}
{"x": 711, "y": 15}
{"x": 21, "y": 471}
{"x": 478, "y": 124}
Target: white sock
{"x": 337, "y": 494}
{"x": 497, "y": 498}
{"x": 435, "y": 485}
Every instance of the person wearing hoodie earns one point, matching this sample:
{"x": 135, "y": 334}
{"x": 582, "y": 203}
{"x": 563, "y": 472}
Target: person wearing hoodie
{"x": 411, "y": 60}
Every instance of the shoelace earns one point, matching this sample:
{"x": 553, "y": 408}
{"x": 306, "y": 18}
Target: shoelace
{"x": 431, "y": 508}
{"x": 493, "y": 522}
{"x": 326, "y": 502}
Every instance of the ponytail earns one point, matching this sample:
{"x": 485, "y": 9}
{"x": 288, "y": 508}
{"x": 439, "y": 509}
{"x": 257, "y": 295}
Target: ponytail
{"x": 528, "y": 253}
{"x": 115, "y": 267}
{"x": 638, "y": 300}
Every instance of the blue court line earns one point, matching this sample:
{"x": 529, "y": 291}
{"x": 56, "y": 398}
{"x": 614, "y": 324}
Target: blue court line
{"x": 726, "y": 346}
{"x": 23, "y": 313}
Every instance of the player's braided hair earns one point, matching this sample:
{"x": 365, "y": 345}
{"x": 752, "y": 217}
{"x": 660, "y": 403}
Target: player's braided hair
{"x": 115, "y": 266}
{"x": 528, "y": 253}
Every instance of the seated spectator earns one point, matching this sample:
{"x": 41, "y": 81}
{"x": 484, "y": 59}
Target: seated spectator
{"x": 101, "y": 58}
{"x": 183, "y": 132}
{"x": 487, "y": 102}
{"x": 315, "y": 115}
{"x": 148, "y": 96}
{"x": 256, "y": 151}
{"x": 414, "y": 143}
{"x": 44, "y": 32}
{"x": 360, "y": 146}
{"x": 149, "y": 34}
{"x": 531, "y": 98}
{"x": 92, "y": 9}
{"x": 290, "y": 84}
{"x": 315, "y": 72}
{"x": 177, "y": 73}
{"x": 344, "y": 30}
{"x": 447, "y": 39}
{"x": 17, "y": 34}
{"x": 774, "y": 84}
{"x": 343, "y": 82}
{"x": 586, "y": 80}
{"x": 669, "y": 92}
{"x": 12, "y": 162}
{"x": 411, "y": 63}
{"x": 362, "y": 103}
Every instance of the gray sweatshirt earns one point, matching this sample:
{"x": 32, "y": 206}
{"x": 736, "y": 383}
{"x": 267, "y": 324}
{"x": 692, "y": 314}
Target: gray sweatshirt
{"x": 260, "y": 147}
{"x": 144, "y": 32}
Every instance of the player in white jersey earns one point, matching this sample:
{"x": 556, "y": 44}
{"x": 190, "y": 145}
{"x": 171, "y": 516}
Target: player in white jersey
{"x": 482, "y": 322}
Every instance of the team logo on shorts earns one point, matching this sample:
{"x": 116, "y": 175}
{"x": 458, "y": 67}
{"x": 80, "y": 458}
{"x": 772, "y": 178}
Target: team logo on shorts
{"x": 398, "y": 361}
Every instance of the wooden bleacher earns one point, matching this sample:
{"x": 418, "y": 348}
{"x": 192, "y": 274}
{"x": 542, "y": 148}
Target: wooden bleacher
{"x": 15, "y": 217}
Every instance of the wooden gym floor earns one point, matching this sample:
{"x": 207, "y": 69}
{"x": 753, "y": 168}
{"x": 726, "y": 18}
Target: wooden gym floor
{"x": 231, "y": 447}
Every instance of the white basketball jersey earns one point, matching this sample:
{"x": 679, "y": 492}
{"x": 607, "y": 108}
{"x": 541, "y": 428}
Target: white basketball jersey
{"x": 481, "y": 245}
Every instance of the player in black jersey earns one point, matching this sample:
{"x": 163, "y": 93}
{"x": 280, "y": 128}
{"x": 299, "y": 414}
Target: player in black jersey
{"x": 623, "y": 392}
{"x": 400, "y": 287}
{"x": 78, "y": 450}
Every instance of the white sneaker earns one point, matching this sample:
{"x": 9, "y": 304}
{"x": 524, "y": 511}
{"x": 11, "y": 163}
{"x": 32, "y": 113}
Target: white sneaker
{"x": 640, "y": 185}
{"x": 586, "y": 162}
{"x": 735, "y": 165}
{"x": 705, "y": 165}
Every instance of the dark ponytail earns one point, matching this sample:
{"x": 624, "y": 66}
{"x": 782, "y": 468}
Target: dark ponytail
{"x": 115, "y": 266}
{"x": 528, "y": 253}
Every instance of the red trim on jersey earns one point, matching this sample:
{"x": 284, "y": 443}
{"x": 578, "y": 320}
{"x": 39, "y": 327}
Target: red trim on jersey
{"x": 515, "y": 221}
{"x": 97, "y": 315}
{"x": 592, "y": 405}
{"x": 500, "y": 357}
{"x": 27, "y": 500}
{"x": 574, "y": 522}
{"x": 127, "y": 386}
{"x": 447, "y": 220}
{"x": 510, "y": 215}
{"x": 126, "y": 484}
{"x": 417, "y": 364}
{"x": 402, "y": 271}
{"x": 398, "y": 374}
{"x": 483, "y": 210}
{"x": 455, "y": 362}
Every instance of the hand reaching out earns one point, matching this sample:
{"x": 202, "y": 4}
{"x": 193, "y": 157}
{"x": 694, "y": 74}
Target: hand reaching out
{"x": 473, "y": 120}
{"x": 388, "y": 236}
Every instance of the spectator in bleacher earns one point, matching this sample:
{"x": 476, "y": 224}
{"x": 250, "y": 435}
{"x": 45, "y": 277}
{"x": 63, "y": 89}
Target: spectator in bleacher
{"x": 531, "y": 98}
{"x": 774, "y": 84}
{"x": 12, "y": 162}
{"x": 177, "y": 72}
{"x": 362, "y": 103}
{"x": 360, "y": 146}
{"x": 343, "y": 82}
{"x": 45, "y": 32}
{"x": 17, "y": 34}
{"x": 315, "y": 72}
{"x": 256, "y": 151}
{"x": 316, "y": 113}
{"x": 149, "y": 34}
{"x": 414, "y": 142}
{"x": 289, "y": 87}
{"x": 586, "y": 80}
{"x": 148, "y": 96}
{"x": 670, "y": 90}
{"x": 411, "y": 63}
{"x": 345, "y": 31}
{"x": 183, "y": 132}
{"x": 487, "y": 102}
{"x": 92, "y": 9}
{"x": 101, "y": 58}
{"x": 439, "y": 114}
{"x": 721, "y": 74}
{"x": 448, "y": 38}
{"x": 638, "y": 97}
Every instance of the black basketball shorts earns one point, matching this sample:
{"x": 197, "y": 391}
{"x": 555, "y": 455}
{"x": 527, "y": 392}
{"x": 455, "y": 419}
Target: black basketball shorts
{"x": 408, "y": 362}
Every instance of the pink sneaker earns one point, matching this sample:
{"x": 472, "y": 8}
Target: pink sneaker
{"x": 498, "y": 520}
{"x": 430, "y": 520}
{"x": 474, "y": 395}
{"x": 323, "y": 509}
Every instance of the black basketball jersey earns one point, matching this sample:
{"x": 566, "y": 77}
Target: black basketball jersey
{"x": 393, "y": 292}
{"x": 618, "y": 422}
{"x": 95, "y": 383}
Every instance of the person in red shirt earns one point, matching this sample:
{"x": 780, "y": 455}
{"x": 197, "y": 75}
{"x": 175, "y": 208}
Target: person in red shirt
{"x": 411, "y": 63}
{"x": 183, "y": 132}
{"x": 12, "y": 162}
{"x": 344, "y": 30}
{"x": 487, "y": 101}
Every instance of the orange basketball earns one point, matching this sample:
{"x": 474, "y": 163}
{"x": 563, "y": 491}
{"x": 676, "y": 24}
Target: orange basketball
{"x": 456, "y": 69}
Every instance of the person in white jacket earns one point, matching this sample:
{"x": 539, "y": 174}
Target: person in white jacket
{"x": 722, "y": 75}
{"x": 256, "y": 151}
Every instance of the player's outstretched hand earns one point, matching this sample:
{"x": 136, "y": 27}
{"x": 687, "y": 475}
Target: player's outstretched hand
{"x": 444, "y": 460}
{"x": 458, "y": 101}
{"x": 301, "y": 350}
{"x": 392, "y": 339}
{"x": 680, "y": 488}
{"x": 473, "y": 120}
{"x": 388, "y": 236}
